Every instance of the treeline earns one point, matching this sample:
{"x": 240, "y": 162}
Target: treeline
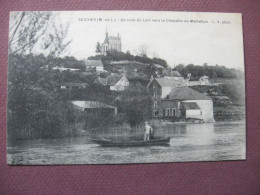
{"x": 216, "y": 71}
{"x": 119, "y": 56}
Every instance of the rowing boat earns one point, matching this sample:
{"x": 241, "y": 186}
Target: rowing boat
{"x": 132, "y": 142}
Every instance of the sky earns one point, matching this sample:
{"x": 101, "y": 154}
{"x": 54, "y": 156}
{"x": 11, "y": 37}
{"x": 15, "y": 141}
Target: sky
{"x": 214, "y": 38}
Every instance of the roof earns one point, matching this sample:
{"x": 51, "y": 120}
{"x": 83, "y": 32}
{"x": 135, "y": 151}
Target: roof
{"x": 113, "y": 79}
{"x": 185, "y": 93}
{"x": 190, "y": 106}
{"x": 171, "y": 73}
{"x": 93, "y": 63}
{"x": 165, "y": 82}
{"x": 110, "y": 81}
{"x": 90, "y": 104}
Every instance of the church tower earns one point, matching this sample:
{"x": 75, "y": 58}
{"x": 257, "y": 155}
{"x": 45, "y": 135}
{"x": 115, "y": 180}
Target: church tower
{"x": 111, "y": 43}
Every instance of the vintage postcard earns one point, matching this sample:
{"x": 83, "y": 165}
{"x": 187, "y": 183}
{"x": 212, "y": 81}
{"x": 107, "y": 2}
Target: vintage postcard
{"x": 111, "y": 87}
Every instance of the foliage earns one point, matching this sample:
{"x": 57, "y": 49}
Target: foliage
{"x": 121, "y": 56}
{"x": 136, "y": 103}
{"x": 98, "y": 48}
{"x": 32, "y": 111}
{"x": 216, "y": 71}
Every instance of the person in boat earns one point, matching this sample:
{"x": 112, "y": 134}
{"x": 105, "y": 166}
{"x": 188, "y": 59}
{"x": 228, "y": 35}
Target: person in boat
{"x": 147, "y": 131}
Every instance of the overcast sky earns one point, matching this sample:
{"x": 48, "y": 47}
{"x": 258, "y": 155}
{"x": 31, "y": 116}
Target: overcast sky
{"x": 177, "y": 42}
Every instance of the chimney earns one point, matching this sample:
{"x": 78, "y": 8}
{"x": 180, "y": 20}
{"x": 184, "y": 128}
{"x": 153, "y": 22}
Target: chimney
{"x": 151, "y": 78}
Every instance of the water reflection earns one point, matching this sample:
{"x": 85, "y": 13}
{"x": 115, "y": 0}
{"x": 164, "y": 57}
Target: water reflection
{"x": 189, "y": 142}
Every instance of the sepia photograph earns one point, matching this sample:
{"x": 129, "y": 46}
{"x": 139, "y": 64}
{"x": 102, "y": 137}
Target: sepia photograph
{"x": 120, "y": 87}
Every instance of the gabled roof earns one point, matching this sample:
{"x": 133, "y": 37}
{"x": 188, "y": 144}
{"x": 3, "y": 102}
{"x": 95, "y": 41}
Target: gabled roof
{"x": 110, "y": 81}
{"x": 190, "y": 106}
{"x": 94, "y": 63}
{"x": 185, "y": 93}
{"x": 171, "y": 73}
{"x": 164, "y": 82}
{"x": 113, "y": 79}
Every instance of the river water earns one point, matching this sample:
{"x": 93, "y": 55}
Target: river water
{"x": 189, "y": 142}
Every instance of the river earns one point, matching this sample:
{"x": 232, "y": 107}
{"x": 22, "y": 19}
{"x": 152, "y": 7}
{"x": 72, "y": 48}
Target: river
{"x": 189, "y": 142}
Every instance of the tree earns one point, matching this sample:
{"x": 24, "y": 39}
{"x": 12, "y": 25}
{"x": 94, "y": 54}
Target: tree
{"x": 98, "y": 48}
{"x": 37, "y": 32}
{"x": 136, "y": 103}
{"x": 29, "y": 104}
{"x": 142, "y": 51}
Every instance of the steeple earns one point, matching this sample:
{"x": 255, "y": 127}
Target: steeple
{"x": 106, "y": 39}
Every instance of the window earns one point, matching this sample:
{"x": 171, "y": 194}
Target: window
{"x": 168, "y": 112}
{"x": 155, "y": 95}
{"x": 155, "y": 104}
{"x": 173, "y": 112}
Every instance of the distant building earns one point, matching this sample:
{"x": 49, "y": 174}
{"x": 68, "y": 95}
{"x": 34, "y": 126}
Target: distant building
{"x": 114, "y": 82}
{"x": 61, "y": 69}
{"x": 86, "y": 114}
{"x": 73, "y": 85}
{"x": 94, "y": 65}
{"x": 111, "y": 43}
{"x": 204, "y": 80}
{"x": 94, "y": 107}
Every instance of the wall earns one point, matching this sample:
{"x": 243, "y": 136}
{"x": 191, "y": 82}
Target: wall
{"x": 207, "y": 109}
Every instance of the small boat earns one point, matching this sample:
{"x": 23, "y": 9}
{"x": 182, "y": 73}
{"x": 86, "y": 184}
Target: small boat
{"x": 132, "y": 142}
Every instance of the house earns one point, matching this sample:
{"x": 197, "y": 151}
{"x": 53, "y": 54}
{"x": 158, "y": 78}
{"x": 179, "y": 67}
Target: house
{"x": 114, "y": 82}
{"x": 160, "y": 87}
{"x": 94, "y": 65}
{"x": 172, "y": 99}
{"x": 184, "y": 102}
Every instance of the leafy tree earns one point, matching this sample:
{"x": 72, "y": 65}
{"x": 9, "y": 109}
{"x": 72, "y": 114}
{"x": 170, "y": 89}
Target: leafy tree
{"x": 136, "y": 103}
{"x": 98, "y": 48}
